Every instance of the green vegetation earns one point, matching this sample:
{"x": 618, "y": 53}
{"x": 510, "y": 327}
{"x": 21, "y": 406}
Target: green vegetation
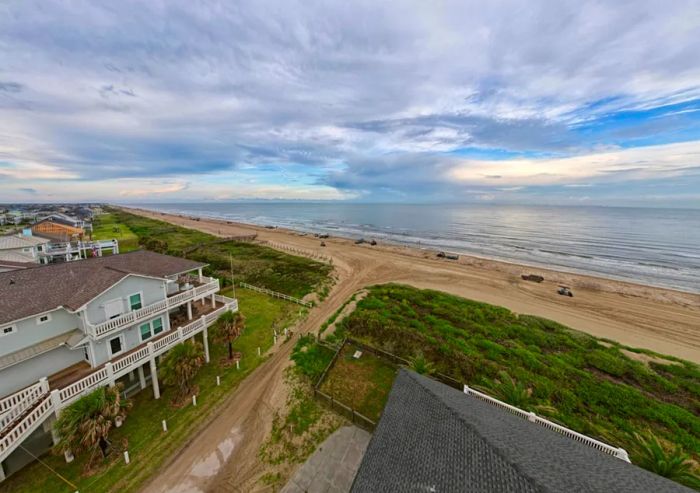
{"x": 84, "y": 426}
{"x": 305, "y": 424}
{"x": 252, "y": 263}
{"x": 108, "y": 227}
{"x": 227, "y": 328}
{"x": 668, "y": 462}
{"x": 587, "y": 384}
{"x": 180, "y": 365}
{"x": 142, "y": 434}
{"x": 362, "y": 384}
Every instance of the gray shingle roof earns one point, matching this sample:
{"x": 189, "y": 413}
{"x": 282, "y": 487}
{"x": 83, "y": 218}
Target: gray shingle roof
{"x": 27, "y": 292}
{"x": 432, "y": 437}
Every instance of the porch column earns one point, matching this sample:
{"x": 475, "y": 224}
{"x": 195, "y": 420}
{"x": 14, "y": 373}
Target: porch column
{"x": 213, "y": 301}
{"x": 206, "y": 339}
{"x": 142, "y": 377}
{"x": 2, "y": 473}
{"x": 154, "y": 374}
{"x": 189, "y": 310}
{"x": 199, "y": 271}
{"x": 110, "y": 374}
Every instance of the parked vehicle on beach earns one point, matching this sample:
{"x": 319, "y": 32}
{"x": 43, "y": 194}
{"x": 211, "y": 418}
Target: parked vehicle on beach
{"x": 565, "y": 291}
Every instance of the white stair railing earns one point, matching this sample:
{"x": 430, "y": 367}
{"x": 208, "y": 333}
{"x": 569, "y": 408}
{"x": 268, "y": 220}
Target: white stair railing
{"x": 119, "y": 367}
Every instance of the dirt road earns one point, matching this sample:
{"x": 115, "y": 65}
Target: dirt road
{"x": 224, "y": 456}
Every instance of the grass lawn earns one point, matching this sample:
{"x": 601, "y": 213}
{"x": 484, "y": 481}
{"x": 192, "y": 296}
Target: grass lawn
{"x": 141, "y": 433}
{"x": 362, "y": 384}
{"x": 108, "y": 227}
{"x": 252, "y": 263}
{"x": 594, "y": 386}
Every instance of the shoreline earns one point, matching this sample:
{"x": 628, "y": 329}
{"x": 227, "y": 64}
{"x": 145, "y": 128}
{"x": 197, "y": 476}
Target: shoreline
{"x": 419, "y": 246}
{"x": 663, "y": 320}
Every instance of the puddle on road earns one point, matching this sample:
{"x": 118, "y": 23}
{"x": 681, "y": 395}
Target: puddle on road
{"x": 211, "y": 464}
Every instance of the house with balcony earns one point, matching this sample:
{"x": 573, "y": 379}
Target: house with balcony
{"x": 24, "y": 248}
{"x": 69, "y": 328}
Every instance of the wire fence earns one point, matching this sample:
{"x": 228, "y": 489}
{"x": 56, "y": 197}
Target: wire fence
{"x": 299, "y": 251}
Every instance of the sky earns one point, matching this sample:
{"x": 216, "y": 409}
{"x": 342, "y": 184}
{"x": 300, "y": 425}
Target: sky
{"x": 543, "y": 102}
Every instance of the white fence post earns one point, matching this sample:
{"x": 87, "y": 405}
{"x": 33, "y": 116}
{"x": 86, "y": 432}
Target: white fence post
{"x": 194, "y": 400}
{"x": 218, "y": 380}
{"x": 165, "y": 425}
{"x": 126, "y": 457}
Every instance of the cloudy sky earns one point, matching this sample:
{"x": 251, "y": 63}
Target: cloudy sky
{"x": 592, "y": 102}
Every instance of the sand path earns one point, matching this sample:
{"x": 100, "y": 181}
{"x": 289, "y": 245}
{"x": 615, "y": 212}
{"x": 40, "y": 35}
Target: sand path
{"x": 223, "y": 456}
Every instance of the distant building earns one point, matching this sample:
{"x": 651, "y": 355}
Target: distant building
{"x": 58, "y": 230}
{"x": 67, "y": 329}
{"x": 24, "y": 248}
{"x": 433, "y": 438}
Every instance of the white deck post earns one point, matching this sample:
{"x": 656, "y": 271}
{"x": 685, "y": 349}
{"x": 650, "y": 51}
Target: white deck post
{"x": 213, "y": 301}
{"x": 189, "y": 310}
{"x": 2, "y": 473}
{"x": 154, "y": 374}
{"x": 44, "y": 384}
{"x": 110, "y": 373}
{"x": 206, "y": 339}
{"x": 56, "y": 401}
{"x": 142, "y": 377}
{"x": 199, "y": 271}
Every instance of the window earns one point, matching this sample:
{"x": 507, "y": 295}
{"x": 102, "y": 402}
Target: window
{"x": 115, "y": 345}
{"x": 150, "y": 329}
{"x": 145, "y": 330}
{"x": 135, "y": 301}
{"x": 43, "y": 319}
{"x": 9, "y": 329}
{"x": 157, "y": 326}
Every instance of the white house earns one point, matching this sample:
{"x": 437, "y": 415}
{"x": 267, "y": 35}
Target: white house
{"x": 69, "y": 328}
{"x": 24, "y": 248}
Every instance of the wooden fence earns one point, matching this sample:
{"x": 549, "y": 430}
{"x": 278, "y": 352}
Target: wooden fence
{"x": 275, "y": 294}
{"x": 337, "y": 406}
{"x": 299, "y": 251}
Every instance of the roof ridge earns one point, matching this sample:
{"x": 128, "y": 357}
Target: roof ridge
{"x": 495, "y": 448}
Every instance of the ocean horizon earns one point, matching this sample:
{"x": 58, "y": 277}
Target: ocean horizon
{"x": 653, "y": 246}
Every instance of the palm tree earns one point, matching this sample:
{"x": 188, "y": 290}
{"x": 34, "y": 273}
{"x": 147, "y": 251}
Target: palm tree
{"x": 421, "y": 365}
{"x": 84, "y": 426}
{"x": 673, "y": 464}
{"x": 229, "y": 327}
{"x": 181, "y": 364}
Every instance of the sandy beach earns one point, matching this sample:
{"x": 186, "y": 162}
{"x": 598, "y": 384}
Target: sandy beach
{"x": 662, "y": 320}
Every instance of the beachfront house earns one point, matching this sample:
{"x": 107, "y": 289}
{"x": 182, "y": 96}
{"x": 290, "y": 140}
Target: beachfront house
{"x": 69, "y": 328}
{"x": 432, "y": 437}
{"x": 24, "y": 248}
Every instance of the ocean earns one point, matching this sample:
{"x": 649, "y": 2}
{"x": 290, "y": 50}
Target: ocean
{"x": 659, "y": 247}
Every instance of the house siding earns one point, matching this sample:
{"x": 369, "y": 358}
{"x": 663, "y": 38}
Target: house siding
{"x": 131, "y": 338}
{"x": 18, "y": 376}
{"x": 152, "y": 290}
{"x": 29, "y": 332}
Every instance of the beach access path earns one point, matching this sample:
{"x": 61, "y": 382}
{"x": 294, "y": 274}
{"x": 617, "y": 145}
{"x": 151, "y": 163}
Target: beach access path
{"x": 662, "y": 320}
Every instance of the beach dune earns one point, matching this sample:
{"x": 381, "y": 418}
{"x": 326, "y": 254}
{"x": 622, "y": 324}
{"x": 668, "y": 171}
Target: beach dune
{"x": 662, "y": 320}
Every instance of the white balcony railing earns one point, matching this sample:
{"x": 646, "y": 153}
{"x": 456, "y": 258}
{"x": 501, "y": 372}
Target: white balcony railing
{"x": 102, "y": 329}
{"x": 620, "y": 453}
{"x": 58, "y": 399}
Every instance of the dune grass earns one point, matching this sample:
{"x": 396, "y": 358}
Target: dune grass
{"x": 252, "y": 263}
{"x": 590, "y": 385}
{"x": 108, "y": 227}
{"x": 148, "y": 446}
